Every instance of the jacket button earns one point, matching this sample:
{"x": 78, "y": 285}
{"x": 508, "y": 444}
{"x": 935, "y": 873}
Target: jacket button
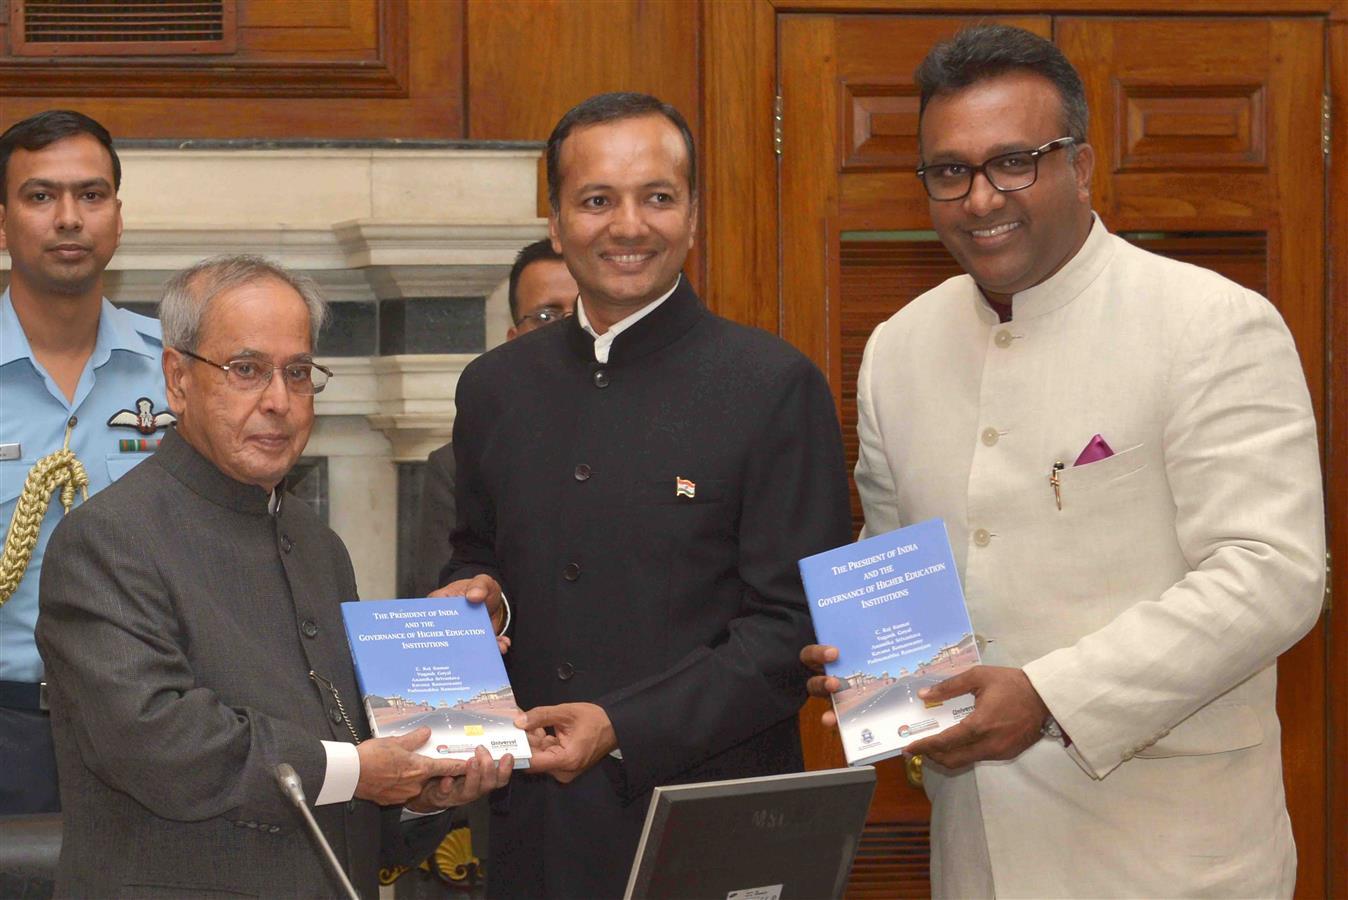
{"x": 571, "y": 572}
{"x": 990, "y": 436}
{"x": 982, "y": 537}
{"x": 309, "y": 628}
{"x": 275, "y": 829}
{"x": 601, "y": 378}
{"x": 335, "y": 715}
{"x": 1003, "y": 339}
{"x": 286, "y": 543}
{"x": 565, "y": 671}
{"x": 582, "y": 472}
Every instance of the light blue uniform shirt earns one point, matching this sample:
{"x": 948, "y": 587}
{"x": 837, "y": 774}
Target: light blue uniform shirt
{"x": 124, "y": 367}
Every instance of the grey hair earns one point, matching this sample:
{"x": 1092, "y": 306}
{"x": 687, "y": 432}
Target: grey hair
{"x": 190, "y": 292}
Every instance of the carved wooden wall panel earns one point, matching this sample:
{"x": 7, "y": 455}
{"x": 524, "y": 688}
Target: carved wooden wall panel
{"x": 302, "y": 68}
{"x": 48, "y": 28}
{"x": 334, "y": 48}
{"x": 1200, "y": 127}
{"x": 879, "y": 125}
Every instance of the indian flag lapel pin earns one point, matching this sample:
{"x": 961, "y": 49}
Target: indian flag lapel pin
{"x": 684, "y": 487}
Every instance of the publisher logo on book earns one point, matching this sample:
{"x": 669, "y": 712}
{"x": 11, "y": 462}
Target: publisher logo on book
{"x": 867, "y": 737}
{"x": 911, "y": 728}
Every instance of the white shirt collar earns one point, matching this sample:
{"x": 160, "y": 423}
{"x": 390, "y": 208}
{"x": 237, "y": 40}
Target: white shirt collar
{"x": 604, "y": 342}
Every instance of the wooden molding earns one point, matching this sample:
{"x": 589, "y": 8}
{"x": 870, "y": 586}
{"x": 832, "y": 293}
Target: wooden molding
{"x": 1336, "y": 469}
{"x": 1336, "y": 9}
{"x": 879, "y": 125}
{"x": 739, "y": 195}
{"x": 215, "y": 77}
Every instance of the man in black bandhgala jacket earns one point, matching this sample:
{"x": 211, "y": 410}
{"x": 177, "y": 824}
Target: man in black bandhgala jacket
{"x": 640, "y": 481}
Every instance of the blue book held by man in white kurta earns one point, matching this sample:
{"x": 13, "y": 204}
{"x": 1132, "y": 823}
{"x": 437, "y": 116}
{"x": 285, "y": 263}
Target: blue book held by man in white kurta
{"x": 893, "y": 606}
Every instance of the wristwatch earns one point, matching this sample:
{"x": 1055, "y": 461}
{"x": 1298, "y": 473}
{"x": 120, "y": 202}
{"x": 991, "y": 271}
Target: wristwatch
{"x": 1051, "y": 729}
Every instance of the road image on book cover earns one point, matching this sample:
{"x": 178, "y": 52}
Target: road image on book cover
{"x": 893, "y": 606}
{"x": 434, "y": 662}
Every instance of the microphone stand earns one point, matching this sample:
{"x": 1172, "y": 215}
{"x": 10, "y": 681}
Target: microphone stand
{"x": 291, "y": 786}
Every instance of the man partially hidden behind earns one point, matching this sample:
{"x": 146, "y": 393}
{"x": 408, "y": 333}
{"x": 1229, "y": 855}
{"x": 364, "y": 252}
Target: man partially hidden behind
{"x": 1123, "y": 450}
{"x": 190, "y": 623}
{"x": 540, "y": 292}
{"x": 82, "y": 398}
{"x": 641, "y": 480}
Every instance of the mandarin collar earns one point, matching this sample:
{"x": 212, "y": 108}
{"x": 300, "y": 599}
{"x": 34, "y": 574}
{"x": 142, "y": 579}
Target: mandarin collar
{"x": 663, "y": 326}
{"x": 1064, "y": 285}
{"x": 199, "y": 475}
{"x": 116, "y": 331}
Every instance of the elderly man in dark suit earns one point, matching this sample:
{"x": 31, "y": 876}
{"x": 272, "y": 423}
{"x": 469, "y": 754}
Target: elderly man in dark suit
{"x": 190, "y": 624}
{"x": 641, "y": 480}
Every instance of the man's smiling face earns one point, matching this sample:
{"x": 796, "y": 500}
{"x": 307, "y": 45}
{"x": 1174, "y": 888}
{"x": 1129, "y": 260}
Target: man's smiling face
{"x": 626, "y": 215}
{"x": 1008, "y": 241}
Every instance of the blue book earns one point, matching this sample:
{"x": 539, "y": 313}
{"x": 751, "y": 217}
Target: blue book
{"x": 893, "y": 606}
{"x": 434, "y": 661}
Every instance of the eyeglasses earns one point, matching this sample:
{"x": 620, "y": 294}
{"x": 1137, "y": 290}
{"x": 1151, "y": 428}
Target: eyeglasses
{"x": 1006, "y": 172}
{"x": 253, "y": 375}
{"x": 545, "y": 316}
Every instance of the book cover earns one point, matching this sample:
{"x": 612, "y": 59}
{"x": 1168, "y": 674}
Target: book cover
{"x": 434, "y": 662}
{"x": 893, "y": 606}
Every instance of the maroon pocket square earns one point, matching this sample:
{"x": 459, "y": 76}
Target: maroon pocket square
{"x": 1096, "y": 450}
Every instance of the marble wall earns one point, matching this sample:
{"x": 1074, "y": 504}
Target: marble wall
{"x": 411, "y": 241}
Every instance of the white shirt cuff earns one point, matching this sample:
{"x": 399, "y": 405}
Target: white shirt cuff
{"x": 342, "y": 774}
{"x": 413, "y": 814}
{"x": 506, "y": 603}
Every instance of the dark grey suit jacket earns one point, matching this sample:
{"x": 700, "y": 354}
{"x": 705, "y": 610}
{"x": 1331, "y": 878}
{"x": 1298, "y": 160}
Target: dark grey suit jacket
{"x": 190, "y": 637}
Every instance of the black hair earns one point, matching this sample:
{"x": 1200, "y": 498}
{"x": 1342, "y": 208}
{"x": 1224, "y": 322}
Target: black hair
{"x": 611, "y": 108}
{"x": 986, "y": 51}
{"x": 538, "y": 251}
{"x": 46, "y": 128}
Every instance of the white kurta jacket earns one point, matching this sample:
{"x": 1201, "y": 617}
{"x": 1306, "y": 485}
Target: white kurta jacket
{"x": 1148, "y": 611}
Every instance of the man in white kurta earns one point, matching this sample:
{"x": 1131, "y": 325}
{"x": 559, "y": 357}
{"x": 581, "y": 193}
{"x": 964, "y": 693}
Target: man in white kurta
{"x": 1149, "y": 610}
{"x": 1140, "y": 607}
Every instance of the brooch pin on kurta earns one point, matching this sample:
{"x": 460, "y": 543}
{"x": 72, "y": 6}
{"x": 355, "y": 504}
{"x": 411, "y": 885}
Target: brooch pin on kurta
{"x": 144, "y": 419}
{"x": 684, "y": 487}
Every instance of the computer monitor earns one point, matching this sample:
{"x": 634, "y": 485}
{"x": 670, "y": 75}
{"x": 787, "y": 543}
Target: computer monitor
{"x": 780, "y": 837}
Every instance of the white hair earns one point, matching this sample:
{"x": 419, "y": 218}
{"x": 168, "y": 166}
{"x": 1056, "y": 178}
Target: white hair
{"x": 189, "y": 292}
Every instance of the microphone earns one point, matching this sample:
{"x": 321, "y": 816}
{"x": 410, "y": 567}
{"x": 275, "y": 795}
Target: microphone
{"x": 291, "y": 786}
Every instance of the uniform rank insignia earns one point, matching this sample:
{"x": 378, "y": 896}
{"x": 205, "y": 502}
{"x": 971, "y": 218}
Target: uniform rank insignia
{"x": 144, "y": 419}
{"x": 684, "y": 487}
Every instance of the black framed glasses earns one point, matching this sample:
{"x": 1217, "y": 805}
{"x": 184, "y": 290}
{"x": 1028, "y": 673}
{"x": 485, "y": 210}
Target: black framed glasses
{"x": 545, "y": 316}
{"x": 254, "y": 374}
{"x": 1007, "y": 172}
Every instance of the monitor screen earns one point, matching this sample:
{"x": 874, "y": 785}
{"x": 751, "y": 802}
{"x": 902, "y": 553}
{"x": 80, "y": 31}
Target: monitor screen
{"x": 781, "y": 837}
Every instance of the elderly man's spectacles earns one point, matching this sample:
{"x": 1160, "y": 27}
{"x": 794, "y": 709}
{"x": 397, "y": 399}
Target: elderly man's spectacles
{"x": 545, "y": 316}
{"x": 1006, "y": 172}
{"x": 254, "y": 374}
